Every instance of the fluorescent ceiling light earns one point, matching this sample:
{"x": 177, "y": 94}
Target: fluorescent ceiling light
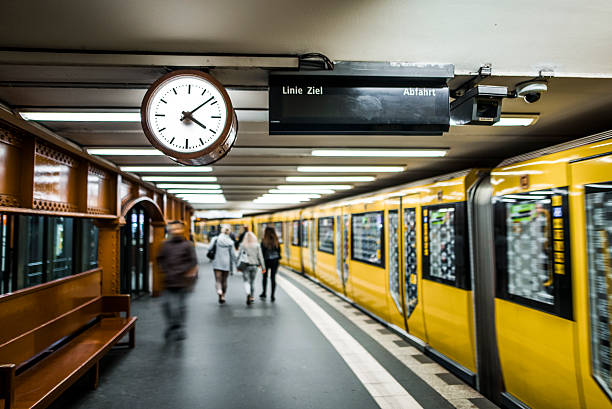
{"x": 329, "y": 178}
{"x": 166, "y": 169}
{"x": 187, "y": 186}
{"x": 301, "y": 187}
{"x": 350, "y": 169}
{"x": 370, "y": 153}
{"x": 195, "y": 191}
{"x": 125, "y": 152}
{"x": 278, "y": 200}
{"x": 82, "y": 116}
{"x": 517, "y": 119}
{"x": 305, "y": 190}
{"x": 179, "y": 178}
{"x": 203, "y": 198}
{"x": 293, "y": 195}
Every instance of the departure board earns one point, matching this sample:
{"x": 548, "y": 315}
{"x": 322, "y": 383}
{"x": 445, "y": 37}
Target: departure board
{"x": 326, "y": 234}
{"x": 529, "y": 249}
{"x": 599, "y": 251}
{"x": 367, "y": 237}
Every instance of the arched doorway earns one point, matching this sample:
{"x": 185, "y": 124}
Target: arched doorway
{"x": 136, "y": 242}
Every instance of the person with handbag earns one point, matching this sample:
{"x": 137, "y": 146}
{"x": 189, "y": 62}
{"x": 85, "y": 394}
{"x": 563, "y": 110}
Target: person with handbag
{"x": 250, "y": 259}
{"x": 223, "y": 255}
{"x": 179, "y": 264}
{"x": 270, "y": 248}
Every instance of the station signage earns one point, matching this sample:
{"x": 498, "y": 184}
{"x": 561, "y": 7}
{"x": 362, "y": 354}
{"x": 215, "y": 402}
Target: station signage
{"x": 353, "y": 104}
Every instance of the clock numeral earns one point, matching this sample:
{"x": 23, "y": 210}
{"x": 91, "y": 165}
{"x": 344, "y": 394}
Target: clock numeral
{"x": 186, "y": 143}
{"x": 203, "y": 92}
{"x": 208, "y": 100}
{"x": 160, "y": 115}
{"x": 172, "y": 140}
{"x": 159, "y": 130}
{"x": 216, "y": 116}
{"x": 214, "y": 103}
{"x": 174, "y": 89}
{"x": 201, "y": 141}
{"x": 189, "y": 89}
{"x": 211, "y": 130}
{"x": 162, "y": 100}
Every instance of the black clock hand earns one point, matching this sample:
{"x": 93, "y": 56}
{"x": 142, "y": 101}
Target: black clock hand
{"x": 196, "y": 121}
{"x": 198, "y": 107}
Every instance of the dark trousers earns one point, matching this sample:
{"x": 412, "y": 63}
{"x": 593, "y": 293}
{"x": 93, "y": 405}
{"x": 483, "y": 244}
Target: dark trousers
{"x": 175, "y": 309}
{"x": 271, "y": 269}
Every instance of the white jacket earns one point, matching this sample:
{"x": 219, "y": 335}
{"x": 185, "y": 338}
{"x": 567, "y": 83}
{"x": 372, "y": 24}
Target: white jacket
{"x": 225, "y": 255}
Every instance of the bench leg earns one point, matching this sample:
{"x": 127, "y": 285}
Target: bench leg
{"x": 94, "y": 375}
{"x": 132, "y": 337}
{"x": 7, "y": 385}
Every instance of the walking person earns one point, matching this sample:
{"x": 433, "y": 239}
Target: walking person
{"x": 270, "y": 248}
{"x": 223, "y": 259}
{"x": 250, "y": 258}
{"x": 178, "y": 262}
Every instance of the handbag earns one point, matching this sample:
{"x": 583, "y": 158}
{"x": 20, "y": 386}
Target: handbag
{"x": 272, "y": 254}
{"x": 212, "y": 250}
{"x": 243, "y": 261}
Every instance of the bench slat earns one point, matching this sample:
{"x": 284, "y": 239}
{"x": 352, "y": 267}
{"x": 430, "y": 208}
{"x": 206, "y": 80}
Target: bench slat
{"x": 44, "y": 382}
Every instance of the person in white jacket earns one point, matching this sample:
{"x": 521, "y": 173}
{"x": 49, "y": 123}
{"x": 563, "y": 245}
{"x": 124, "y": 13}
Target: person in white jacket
{"x": 250, "y": 259}
{"x": 224, "y": 260}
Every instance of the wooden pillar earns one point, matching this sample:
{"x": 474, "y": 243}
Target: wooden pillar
{"x": 109, "y": 255}
{"x": 159, "y": 234}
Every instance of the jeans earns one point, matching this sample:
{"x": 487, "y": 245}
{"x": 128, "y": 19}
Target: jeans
{"x": 221, "y": 281}
{"x": 271, "y": 269}
{"x": 249, "y": 279}
{"x": 175, "y": 309}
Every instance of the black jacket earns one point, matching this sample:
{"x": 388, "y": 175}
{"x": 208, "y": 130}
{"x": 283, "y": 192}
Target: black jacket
{"x": 268, "y": 252}
{"x": 175, "y": 258}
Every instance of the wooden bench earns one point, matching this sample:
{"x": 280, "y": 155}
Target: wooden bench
{"x": 54, "y": 333}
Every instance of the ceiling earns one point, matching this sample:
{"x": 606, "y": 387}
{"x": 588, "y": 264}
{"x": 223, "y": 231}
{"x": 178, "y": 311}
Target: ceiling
{"x": 144, "y": 40}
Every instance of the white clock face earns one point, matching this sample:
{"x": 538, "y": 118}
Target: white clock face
{"x": 186, "y": 113}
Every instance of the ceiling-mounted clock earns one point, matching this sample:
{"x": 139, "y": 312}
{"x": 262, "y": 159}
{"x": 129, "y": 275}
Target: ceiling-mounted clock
{"x": 188, "y": 115}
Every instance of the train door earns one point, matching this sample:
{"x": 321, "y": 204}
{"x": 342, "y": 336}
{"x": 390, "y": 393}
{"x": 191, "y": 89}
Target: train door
{"x": 533, "y": 306}
{"x": 394, "y": 277}
{"x": 312, "y": 247}
{"x": 135, "y": 266}
{"x": 346, "y": 222}
{"x": 339, "y": 254}
{"x": 591, "y": 233}
{"x": 411, "y": 275}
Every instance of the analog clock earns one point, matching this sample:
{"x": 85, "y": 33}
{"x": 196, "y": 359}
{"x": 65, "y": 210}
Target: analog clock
{"x": 188, "y": 115}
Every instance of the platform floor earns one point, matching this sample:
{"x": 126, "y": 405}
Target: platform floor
{"x": 309, "y": 349}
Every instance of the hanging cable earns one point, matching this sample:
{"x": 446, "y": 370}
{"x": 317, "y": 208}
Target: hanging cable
{"x": 315, "y": 61}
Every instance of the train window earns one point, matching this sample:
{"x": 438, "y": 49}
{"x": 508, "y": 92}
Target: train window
{"x": 394, "y": 273}
{"x": 445, "y": 245}
{"x": 599, "y": 254}
{"x": 278, "y": 228}
{"x": 326, "y": 234}
{"x": 410, "y": 260}
{"x": 532, "y": 250}
{"x": 295, "y": 233}
{"x": 305, "y": 231}
{"x": 367, "y": 239}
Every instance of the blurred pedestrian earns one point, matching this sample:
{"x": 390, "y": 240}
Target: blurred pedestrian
{"x": 223, "y": 259}
{"x": 178, "y": 262}
{"x": 250, "y": 259}
{"x": 270, "y": 248}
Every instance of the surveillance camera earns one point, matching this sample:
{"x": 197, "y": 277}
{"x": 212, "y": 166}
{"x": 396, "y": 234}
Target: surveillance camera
{"x": 531, "y": 91}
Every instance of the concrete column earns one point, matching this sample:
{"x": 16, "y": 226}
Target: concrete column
{"x": 109, "y": 255}
{"x": 159, "y": 234}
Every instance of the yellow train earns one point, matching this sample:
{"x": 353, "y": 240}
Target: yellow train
{"x": 504, "y": 276}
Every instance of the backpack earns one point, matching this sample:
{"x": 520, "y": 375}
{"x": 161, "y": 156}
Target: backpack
{"x": 212, "y": 250}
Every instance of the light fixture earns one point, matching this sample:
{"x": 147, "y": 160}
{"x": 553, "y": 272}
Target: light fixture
{"x": 279, "y": 200}
{"x": 293, "y": 195}
{"x": 187, "y": 186}
{"x": 508, "y": 119}
{"x": 302, "y": 187}
{"x": 351, "y": 169}
{"x": 124, "y": 152}
{"x": 329, "y": 178}
{"x": 195, "y": 191}
{"x": 179, "y": 178}
{"x": 82, "y": 116}
{"x": 374, "y": 153}
{"x": 166, "y": 169}
{"x": 305, "y": 190}
{"x": 203, "y": 198}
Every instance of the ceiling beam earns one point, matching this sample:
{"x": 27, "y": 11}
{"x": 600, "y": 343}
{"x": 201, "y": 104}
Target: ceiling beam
{"x": 146, "y": 59}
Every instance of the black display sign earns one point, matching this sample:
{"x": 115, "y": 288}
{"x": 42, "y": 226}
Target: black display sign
{"x": 337, "y": 104}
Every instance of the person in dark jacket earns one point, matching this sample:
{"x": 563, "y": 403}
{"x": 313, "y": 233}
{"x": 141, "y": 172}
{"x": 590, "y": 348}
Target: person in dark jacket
{"x": 270, "y": 248}
{"x": 178, "y": 262}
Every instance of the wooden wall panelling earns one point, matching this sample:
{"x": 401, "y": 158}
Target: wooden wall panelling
{"x": 109, "y": 255}
{"x": 11, "y": 155}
